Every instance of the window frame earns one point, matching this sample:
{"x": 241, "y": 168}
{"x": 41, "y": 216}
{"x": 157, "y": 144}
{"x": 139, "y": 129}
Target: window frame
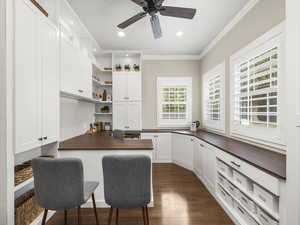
{"x": 174, "y": 81}
{"x": 208, "y": 124}
{"x": 272, "y": 137}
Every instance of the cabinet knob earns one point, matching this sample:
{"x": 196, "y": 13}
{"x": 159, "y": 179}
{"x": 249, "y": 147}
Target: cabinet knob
{"x": 40, "y": 139}
{"x": 201, "y": 145}
{"x": 235, "y": 164}
{"x": 80, "y": 91}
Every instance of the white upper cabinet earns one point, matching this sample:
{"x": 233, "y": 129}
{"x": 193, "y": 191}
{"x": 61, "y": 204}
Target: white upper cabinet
{"x": 75, "y": 70}
{"x": 120, "y": 91}
{"x": 134, "y": 86}
{"x": 36, "y": 78}
{"x": 27, "y": 78}
{"x": 50, "y": 82}
{"x": 127, "y": 86}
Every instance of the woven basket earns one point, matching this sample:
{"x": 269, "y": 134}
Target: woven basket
{"x": 23, "y": 172}
{"x": 26, "y": 209}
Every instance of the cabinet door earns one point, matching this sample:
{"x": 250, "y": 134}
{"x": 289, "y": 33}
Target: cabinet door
{"x": 50, "y": 81}
{"x": 198, "y": 157}
{"x": 183, "y": 150}
{"x": 134, "y": 116}
{"x": 152, "y": 137}
{"x": 120, "y": 115}
{"x": 209, "y": 167}
{"x": 134, "y": 86}
{"x": 68, "y": 67}
{"x": 27, "y": 79}
{"x": 120, "y": 86}
{"x": 84, "y": 75}
{"x": 164, "y": 147}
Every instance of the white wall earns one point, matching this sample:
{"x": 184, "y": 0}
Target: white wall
{"x": 75, "y": 117}
{"x": 164, "y": 68}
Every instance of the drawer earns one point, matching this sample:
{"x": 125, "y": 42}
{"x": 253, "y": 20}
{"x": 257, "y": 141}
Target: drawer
{"x": 241, "y": 180}
{"x": 222, "y": 167}
{"x": 241, "y": 211}
{"x": 268, "y": 199}
{"x": 221, "y": 180}
{"x": 229, "y": 200}
{"x": 264, "y": 218}
{"x": 251, "y": 221}
{"x": 247, "y": 202}
{"x": 264, "y": 179}
{"x": 231, "y": 188}
{"x": 225, "y": 196}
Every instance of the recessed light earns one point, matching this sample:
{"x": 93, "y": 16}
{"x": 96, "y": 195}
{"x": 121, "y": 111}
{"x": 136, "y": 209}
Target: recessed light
{"x": 121, "y": 34}
{"x": 127, "y": 55}
{"x": 179, "y": 33}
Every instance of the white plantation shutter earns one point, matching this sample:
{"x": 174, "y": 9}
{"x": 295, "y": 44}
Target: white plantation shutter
{"x": 256, "y": 90}
{"x": 174, "y": 101}
{"x": 213, "y": 98}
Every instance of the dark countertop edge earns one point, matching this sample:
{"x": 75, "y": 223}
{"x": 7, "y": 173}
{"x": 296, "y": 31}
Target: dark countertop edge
{"x": 235, "y": 155}
{"x": 189, "y": 133}
{"x": 104, "y": 149}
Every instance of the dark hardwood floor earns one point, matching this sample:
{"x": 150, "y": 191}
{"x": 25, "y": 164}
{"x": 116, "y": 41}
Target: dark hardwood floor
{"x": 180, "y": 199}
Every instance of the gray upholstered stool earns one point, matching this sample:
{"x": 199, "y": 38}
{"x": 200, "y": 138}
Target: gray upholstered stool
{"x": 127, "y": 183}
{"x": 59, "y": 185}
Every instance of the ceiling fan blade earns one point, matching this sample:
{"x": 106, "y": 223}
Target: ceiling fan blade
{"x": 187, "y": 13}
{"x": 156, "y": 28}
{"x": 159, "y": 3}
{"x": 132, "y": 20}
{"x": 142, "y": 3}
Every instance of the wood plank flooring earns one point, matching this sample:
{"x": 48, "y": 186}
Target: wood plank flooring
{"x": 180, "y": 199}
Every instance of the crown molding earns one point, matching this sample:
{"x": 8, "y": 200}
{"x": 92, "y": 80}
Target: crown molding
{"x": 239, "y": 16}
{"x": 171, "y": 57}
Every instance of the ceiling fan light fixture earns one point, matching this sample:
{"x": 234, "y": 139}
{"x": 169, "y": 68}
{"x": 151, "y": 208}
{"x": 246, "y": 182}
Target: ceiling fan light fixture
{"x": 179, "y": 34}
{"x": 121, "y": 34}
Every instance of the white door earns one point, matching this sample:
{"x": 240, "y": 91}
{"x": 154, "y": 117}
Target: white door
{"x": 27, "y": 79}
{"x": 50, "y": 81}
{"x": 134, "y": 86}
{"x": 164, "y": 153}
{"x": 120, "y": 116}
{"x": 85, "y": 75}
{"x": 120, "y": 87}
{"x": 134, "y": 115}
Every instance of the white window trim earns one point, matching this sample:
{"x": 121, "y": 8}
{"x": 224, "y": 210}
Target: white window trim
{"x": 269, "y": 137}
{"x": 165, "y": 81}
{"x": 218, "y": 126}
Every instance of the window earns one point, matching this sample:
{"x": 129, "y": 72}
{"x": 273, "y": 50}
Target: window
{"x": 256, "y": 90}
{"x": 213, "y": 98}
{"x": 174, "y": 95}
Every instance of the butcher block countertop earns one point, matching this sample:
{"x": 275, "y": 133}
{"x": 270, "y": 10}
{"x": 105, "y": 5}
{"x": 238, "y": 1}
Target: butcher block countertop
{"x": 100, "y": 141}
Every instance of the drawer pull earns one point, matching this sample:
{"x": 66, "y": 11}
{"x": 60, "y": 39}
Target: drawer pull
{"x": 245, "y": 200}
{"x": 242, "y": 211}
{"x": 80, "y": 91}
{"x": 262, "y": 198}
{"x": 40, "y": 139}
{"x": 234, "y": 163}
{"x": 201, "y": 145}
{"x": 262, "y": 216}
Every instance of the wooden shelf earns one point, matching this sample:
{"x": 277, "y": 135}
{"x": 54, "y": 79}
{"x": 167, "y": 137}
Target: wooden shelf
{"x": 110, "y": 113}
{"x": 100, "y": 84}
{"x": 103, "y": 102}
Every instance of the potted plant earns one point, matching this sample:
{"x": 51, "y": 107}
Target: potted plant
{"x": 105, "y": 109}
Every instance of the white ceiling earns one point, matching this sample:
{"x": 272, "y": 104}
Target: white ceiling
{"x": 101, "y": 17}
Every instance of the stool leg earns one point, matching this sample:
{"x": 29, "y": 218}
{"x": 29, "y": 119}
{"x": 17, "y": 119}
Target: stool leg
{"x": 45, "y": 217}
{"x": 117, "y": 217}
{"x": 147, "y": 214}
{"x": 144, "y": 215}
{"x": 66, "y": 217}
{"x": 78, "y": 215}
{"x": 111, "y": 211}
{"x": 95, "y": 209}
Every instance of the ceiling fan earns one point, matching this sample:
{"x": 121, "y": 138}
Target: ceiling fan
{"x": 152, "y": 7}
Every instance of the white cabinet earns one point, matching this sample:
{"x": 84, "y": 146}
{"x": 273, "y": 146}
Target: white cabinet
{"x": 127, "y": 86}
{"x": 162, "y": 151}
{"x": 209, "y": 167}
{"x": 183, "y": 150}
{"x": 127, "y": 96}
{"x": 198, "y": 157}
{"x": 127, "y": 115}
{"x": 75, "y": 69}
{"x": 36, "y": 78}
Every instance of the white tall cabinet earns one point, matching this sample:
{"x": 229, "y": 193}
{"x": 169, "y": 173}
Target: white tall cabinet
{"x": 127, "y": 93}
{"x": 36, "y": 78}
